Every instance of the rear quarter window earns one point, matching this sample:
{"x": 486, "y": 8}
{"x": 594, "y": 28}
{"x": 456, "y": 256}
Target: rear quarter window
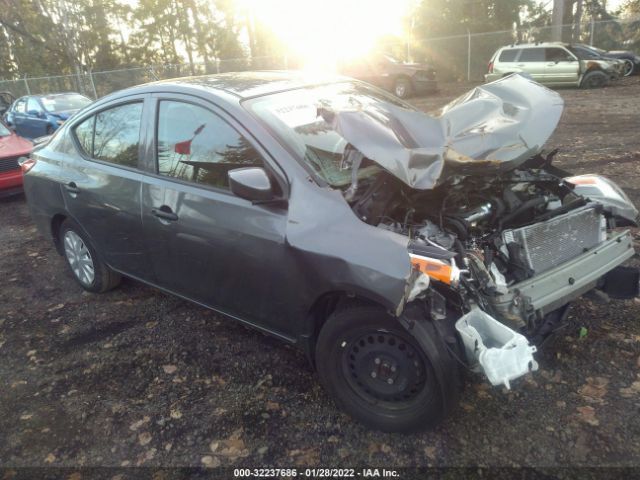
{"x": 509, "y": 55}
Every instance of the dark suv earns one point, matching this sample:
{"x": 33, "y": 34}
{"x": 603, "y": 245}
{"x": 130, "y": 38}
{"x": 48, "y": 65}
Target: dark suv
{"x": 384, "y": 71}
{"x": 395, "y": 248}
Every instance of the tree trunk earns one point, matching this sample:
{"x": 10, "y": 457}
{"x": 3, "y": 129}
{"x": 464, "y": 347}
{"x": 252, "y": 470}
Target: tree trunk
{"x": 577, "y": 21}
{"x": 557, "y": 17}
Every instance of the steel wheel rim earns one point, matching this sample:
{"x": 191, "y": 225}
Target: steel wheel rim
{"x": 401, "y": 89}
{"x": 384, "y": 369}
{"x": 628, "y": 68}
{"x": 79, "y": 258}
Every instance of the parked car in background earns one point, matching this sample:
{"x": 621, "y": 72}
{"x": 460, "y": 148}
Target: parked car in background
{"x": 6, "y": 99}
{"x": 401, "y": 78}
{"x": 630, "y": 60}
{"x": 12, "y": 148}
{"x": 395, "y": 248}
{"x": 553, "y": 64}
{"x": 35, "y": 116}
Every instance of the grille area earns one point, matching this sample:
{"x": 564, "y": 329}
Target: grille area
{"x": 552, "y": 242}
{"x": 9, "y": 163}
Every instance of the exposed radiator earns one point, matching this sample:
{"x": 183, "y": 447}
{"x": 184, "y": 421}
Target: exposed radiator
{"x": 552, "y": 242}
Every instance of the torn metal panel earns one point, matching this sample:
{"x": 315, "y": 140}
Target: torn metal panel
{"x": 493, "y": 127}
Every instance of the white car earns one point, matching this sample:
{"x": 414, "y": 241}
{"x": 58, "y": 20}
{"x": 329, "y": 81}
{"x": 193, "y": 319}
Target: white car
{"x": 554, "y": 64}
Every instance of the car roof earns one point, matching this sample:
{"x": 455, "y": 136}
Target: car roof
{"x": 59, "y": 94}
{"x": 539, "y": 45}
{"x": 249, "y": 84}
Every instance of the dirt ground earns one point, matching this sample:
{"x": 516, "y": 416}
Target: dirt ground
{"x": 136, "y": 377}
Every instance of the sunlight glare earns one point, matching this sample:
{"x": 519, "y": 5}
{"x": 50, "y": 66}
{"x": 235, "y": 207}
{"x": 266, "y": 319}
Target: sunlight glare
{"x": 325, "y": 32}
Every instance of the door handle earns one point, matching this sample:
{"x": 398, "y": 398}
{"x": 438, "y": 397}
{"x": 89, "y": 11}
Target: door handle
{"x": 164, "y": 213}
{"x": 71, "y": 187}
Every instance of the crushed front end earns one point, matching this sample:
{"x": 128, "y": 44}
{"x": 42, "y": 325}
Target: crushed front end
{"x": 496, "y": 233}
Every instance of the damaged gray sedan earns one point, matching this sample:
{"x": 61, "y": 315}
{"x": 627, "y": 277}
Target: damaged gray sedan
{"x": 395, "y": 248}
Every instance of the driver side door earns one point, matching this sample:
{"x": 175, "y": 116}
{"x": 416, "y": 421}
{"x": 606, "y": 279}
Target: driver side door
{"x": 561, "y": 66}
{"x": 18, "y": 117}
{"x": 36, "y": 123}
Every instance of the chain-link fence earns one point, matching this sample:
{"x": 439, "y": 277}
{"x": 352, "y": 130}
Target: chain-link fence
{"x": 98, "y": 84}
{"x": 467, "y": 55}
{"x": 461, "y": 57}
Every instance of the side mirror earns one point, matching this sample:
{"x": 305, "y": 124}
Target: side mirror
{"x": 251, "y": 183}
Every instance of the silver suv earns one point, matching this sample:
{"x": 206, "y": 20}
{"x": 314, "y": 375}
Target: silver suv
{"x": 553, "y": 64}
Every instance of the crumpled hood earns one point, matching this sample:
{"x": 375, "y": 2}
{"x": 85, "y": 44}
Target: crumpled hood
{"x": 496, "y": 126}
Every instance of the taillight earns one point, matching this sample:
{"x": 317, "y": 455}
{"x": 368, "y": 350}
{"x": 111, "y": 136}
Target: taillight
{"x": 26, "y": 164}
{"x": 490, "y": 67}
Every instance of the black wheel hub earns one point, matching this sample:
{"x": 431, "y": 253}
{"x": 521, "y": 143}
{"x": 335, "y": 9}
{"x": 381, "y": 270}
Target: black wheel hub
{"x": 381, "y": 366}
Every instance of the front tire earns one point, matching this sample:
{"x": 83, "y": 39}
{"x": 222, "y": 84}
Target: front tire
{"x": 378, "y": 373}
{"x": 594, "y": 79}
{"x": 84, "y": 262}
{"x": 628, "y": 68}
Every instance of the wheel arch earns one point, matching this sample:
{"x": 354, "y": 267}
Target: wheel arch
{"x": 323, "y": 307}
{"x": 56, "y": 224}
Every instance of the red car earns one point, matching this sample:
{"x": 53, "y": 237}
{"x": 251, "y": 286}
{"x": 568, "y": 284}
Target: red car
{"x": 12, "y": 147}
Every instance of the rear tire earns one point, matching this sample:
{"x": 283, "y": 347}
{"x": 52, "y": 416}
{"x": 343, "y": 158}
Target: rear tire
{"x": 378, "y": 373}
{"x": 594, "y": 79}
{"x": 84, "y": 262}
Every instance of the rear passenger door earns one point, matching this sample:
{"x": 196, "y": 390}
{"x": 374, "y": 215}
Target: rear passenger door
{"x": 532, "y": 61}
{"x": 103, "y": 183}
{"x": 561, "y": 66}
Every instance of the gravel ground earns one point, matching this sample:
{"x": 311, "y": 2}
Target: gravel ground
{"x": 136, "y": 377}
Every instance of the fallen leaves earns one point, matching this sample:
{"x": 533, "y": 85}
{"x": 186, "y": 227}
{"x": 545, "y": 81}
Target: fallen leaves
{"x": 210, "y": 462}
{"x": 169, "y": 369}
{"x": 136, "y": 425}
{"x": 144, "y": 438}
{"x": 587, "y": 414}
{"x": 630, "y": 391}
{"x": 430, "y": 452}
{"x": 273, "y": 406}
{"x": 231, "y": 448}
{"x": 594, "y": 390}
{"x": 50, "y": 458}
{"x": 305, "y": 457}
{"x": 175, "y": 414}
{"x": 56, "y": 307}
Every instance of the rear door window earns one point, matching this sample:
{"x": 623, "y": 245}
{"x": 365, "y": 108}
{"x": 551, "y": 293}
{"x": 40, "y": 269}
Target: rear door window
{"x": 112, "y": 135}
{"x": 117, "y": 135}
{"x": 509, "y": 55}
{"x": 84, "y": 134}
{"x": 532, "y": 55}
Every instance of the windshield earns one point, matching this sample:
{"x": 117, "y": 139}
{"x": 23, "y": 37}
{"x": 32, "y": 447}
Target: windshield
{"x": 293, "y": 116}
{"x": 4, "y": 131}
{"x": 584, "y": 53}
{"x": 62, "y": 103}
